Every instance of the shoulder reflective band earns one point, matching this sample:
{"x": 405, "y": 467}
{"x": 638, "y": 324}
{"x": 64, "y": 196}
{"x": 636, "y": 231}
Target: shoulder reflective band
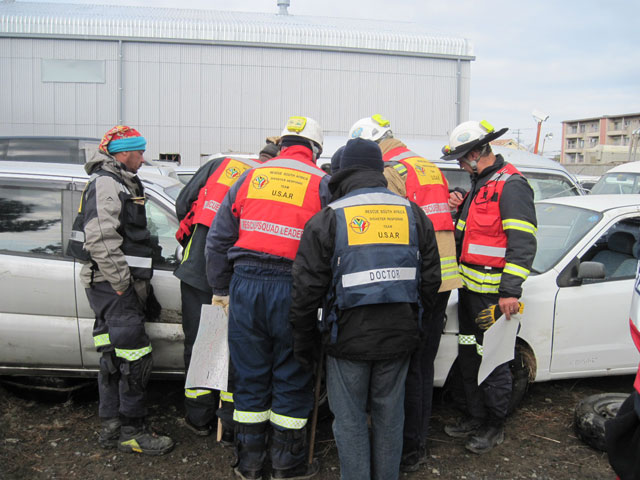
{"x": 251, "y": 417}
{"x": 101, "y": 340}
{"x": 513, "y": 224}
{"x": 448, "y": 268}
{"x": 487, "y": 251}
{"x": 401, "y": 169}
{"x": 138, "y": 262}
{"x": 133, "y": 355}
{"x": 516, "y": 270}
{"x": 294, "y": 164}
{"x": 290, "y": 423}
{"x": 378, "y": 275}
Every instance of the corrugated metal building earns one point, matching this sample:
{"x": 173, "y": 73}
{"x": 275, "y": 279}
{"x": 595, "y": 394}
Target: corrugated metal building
{"x": 201, "y": 81}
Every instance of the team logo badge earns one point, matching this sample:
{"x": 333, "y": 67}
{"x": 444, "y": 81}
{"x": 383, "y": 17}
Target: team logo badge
{"x": 260, "y": 181}
{"x": 357, "y": 132}
{"x": 420, "y": 170}
{"x": 232, "y": 172}
{"x": 359, "y": 224}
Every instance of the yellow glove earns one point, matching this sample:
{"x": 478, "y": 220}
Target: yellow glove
{"x": 489, "y": 315}
{"x": 221, "y": 300}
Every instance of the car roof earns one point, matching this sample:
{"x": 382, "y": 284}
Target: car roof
{"x": 630, "y": 167}
{"x": 74, "y": 170}
{"x": 44, "y": 137}
{"x": 598, "y": 203}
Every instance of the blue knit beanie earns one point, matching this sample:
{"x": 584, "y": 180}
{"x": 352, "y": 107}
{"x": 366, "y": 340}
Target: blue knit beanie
{"x": 362, "y": 154}
{"x": 335, "y": 160}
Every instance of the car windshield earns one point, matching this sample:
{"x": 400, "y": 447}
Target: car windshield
{"x": 559, "y": 229}
{"x": 617, "y": 183}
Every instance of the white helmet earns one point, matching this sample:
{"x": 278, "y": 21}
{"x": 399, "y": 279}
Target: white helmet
{"x": 469, "y": 135}
{"x": 371, "y": 128}
{"x": 304, "y": 127}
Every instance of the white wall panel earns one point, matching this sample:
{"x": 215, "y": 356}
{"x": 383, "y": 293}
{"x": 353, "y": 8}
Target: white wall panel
{"x": 189, "y": 93}
{"x": 6, "y": 88}
{"x": 211, "y": 93}
{"x": 131, "y": 92}
{"x": 169, "y": 94}
{"x": 148, "y": 87}
{"x": 85, "y": 104}
{"x": 250, "y": 101}
{"x": 22, "y": 90}
{"x": 65, "y": 104}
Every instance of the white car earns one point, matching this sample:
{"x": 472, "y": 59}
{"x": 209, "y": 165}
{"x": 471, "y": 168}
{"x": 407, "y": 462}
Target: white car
{"x": 622, "y": 179}
{"x": 577, "y": 298}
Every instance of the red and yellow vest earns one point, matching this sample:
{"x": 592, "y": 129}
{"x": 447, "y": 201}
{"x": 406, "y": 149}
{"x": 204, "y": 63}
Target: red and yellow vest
{"x": 274, "y": 203}
{"x": 204, "y": 209}
{"x": 425, "y": 186}
{"x": 485, "y": 242}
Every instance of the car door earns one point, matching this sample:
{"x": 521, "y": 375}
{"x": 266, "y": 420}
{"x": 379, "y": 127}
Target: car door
{"x": 166, "y": 334}
{"x": 591, "y": 321}
{"x": 38, "y": 323}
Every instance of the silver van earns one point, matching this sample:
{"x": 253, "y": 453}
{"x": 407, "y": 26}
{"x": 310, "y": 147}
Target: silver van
{"x": 45, "y": 320}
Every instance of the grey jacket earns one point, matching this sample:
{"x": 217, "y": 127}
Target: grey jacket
{"x": 102, "y": 222}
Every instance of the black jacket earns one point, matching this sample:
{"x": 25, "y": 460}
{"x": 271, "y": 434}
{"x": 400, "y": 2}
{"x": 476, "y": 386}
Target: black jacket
{"x": 516, "y": 202}
{"x": 371, "y": 332}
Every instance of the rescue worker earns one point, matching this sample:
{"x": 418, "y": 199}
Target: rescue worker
{"x": 370, "y": 260}
{"x": 110, "y": 233}
{"x": 250, "y": 250}
{"x": 496, "y": 243}
{"x": 196, "y": 207}
{"x": 414, "y": 177}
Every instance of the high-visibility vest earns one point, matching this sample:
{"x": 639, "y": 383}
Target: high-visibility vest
{"x": 275, "y": 202}
{"x": 425, "y": 185}
{"x": 634, "y": 324}
{"x": 376, "y": 256}
{"x": 485, "y": 242}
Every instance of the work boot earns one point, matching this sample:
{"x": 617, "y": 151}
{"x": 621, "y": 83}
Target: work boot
{"x": 248, "y": 474}
{"x": 109, "y": 433}
{"x": 199, "y": 430}
{"x": 464, "y": 427}
{"x": 485, "y": 439}
{"x": 411, "y": 461}
{"x": 226, "y": 440}
{"x": 138, "y": 439}
{"x": 300, "y": 472}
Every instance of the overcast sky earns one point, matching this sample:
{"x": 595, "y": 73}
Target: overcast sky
{"x": 568, "y": 59}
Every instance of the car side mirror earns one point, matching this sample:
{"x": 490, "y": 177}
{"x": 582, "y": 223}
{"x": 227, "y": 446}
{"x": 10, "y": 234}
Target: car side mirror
{"x": 179, "y": 252}
{"x": 591, "y": 271}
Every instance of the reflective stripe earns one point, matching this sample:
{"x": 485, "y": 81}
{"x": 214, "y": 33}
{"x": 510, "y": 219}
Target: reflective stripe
{"x": 480, "y": 277}
{"x": 378, "y": 275}
{"x": 101, "y": 340}
{"x": 466, "y": 339}
{"x": 295, "y": 164}
{"x": 133, "y": 355}
{"x": 403, "y": 156}
{"x": 448, "y": 268}
{"x": 513, "y": 224}
{"x": 516, "y": 270}
{"x": 251, "y": 417}
{"x": 211, "y": 205}
{"x": 401, "y": 169}
{"x": 470, "y": 340}
{"x": 460, "y": 225}
{"x": 138, "y": 262}
{"x": 369, "y": 198}
{"x": 195, "y": 392}
{"x": 291, "y": 423}
{"x": 477, "y": 287}
{"x": 226, "y": 396}
{"x": 486, "y": 250}
{"x": 77, "y": 236}
{"x": 185, "y": 255}
{"x": 269, "y": 228}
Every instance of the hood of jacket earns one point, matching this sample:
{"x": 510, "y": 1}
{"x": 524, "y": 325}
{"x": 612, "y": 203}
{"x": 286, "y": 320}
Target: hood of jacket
{"x": 100, "y": 160}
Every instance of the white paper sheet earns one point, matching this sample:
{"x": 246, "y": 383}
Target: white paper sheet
{"x": 498, "y": 345}
{"x": 209, "y": 367}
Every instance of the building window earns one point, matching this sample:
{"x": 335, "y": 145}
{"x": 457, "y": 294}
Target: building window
{"x": 171, "y": 157}
{"x": 616, "y": 125}
{"x": 571, "y": 143}
{"x": 73, "y": 71}
{"x": 574, "y": 129}
{"x": 581, "y": 143}
{"x": 579, "y": 158}
{"x": 593, "y": 141}
{"x": 582, "y": 128}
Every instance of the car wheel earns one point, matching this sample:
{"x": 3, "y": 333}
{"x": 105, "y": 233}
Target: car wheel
{"x": 523, "y": 372}
{"x": 592, "y": 412}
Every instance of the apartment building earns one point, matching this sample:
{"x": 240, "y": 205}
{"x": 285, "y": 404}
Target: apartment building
{"x": 599, "y": 140}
